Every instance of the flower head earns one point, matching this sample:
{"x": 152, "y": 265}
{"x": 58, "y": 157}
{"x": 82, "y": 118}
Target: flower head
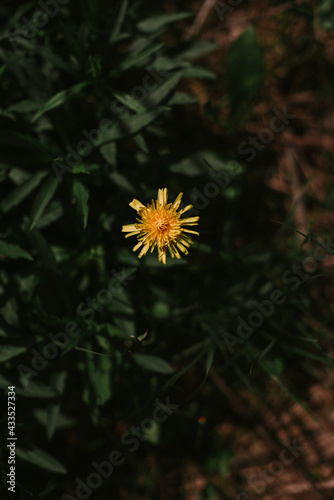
{"x": 160, "y": 226}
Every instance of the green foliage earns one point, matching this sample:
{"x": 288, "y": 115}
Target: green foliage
{"x": 244, "y": 73}
{"x": 325, "y": 15}
{"x": 97, "y": 111}
{"x": 41, "y": 459}
{"x": 13, "y": 251}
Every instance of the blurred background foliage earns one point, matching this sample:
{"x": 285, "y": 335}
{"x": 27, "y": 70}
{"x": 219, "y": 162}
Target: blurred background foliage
{"x": 176, "y": 104}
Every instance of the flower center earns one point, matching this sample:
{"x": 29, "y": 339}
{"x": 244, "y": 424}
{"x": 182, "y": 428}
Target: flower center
{"x": 163, "y": 226}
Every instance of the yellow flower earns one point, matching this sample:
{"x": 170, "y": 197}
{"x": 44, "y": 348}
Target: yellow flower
{"x": 160, "y": 225}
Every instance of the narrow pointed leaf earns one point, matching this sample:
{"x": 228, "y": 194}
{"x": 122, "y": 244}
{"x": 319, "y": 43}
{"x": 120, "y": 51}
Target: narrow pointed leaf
{"x": 153, "y": 363}
{"x": 59, "y": 99}
{"x": 155, "y": 23}
{"x": 19, "y": 193}
{"x": 132, "y": 125}
{"x": 81, "y": 195}
{"x": 13, "y": 251}
{"x": 42, "y": 199}
{"x": 42, "y": 459}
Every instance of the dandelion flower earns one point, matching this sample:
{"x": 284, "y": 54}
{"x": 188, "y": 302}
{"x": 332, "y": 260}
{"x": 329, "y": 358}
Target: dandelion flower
{"x": 160, "y": 226}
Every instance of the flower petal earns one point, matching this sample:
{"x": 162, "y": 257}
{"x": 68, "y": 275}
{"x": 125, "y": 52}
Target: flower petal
{"x": 178, "y": 256}
{"x": 185, "y": 240}
{"x": 171, "y": 251}
{"x": 137, "y": 205}
{"x": 162, "y": 196}
{"x": 188, "y": 220}
{"x": 189, "y": 231}
{"x": 162, "y": 254}
{"x": 132, "y": 234}
{"x": 182, "y": 248}
{"x": 137, "y": 246}
{"x": 143, "y": 251}
{"x": 177, "y": 202}
{"x": 129, "y": 227}
{"x": 185, "y": 209}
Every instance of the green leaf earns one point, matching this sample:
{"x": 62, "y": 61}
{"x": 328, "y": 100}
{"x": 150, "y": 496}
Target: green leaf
{"x": 53, "y": 58}
{"x": 43, "y": 249}
{"x": 95, "y": 66}
{"x": 153, "y": 363}
{"x": 10, "y": 351}
{"x": 72, "y": 40}
{"x": 59, "y": 99}
{"x": 174, "y": 378}
{"x": 63, "y": 422}
{"x": 181, "y": 98}
{"x": 191, "y": 166}
{"x": 131, "y": 125}
{"x": 155, "y": 23}
{"x": 81, "y": 195}
{"x": 9, "y": 312}
{"x": 109, "y": 153}
{"x": 80, "y": 169}
{"x": 162, "y": 63}
{"x": 99, "y": 373}
{"x": 18, "y": 194}
{"x": 322, "y": 358}
{"x": 244, "y": 72}
{"x": 42, "y": 459}
{"x": 105, "y": 378}
{"x": 13, "y": 251}
{"x": 25, "y": 106}
{"x": 194, "y": 50}
{"x": 2, "y": 69}
{"x": 73, "y": 341}
{"x": 197, "y": 164}
{"x": 115, "y": 30}
{"x": 324, "y": 15}
{"x": 59, "y": 383}
{"x": 136, "y": 59}
{"x": 112, "y": 330}
{"x": 162, "y": 90}
{"x": 209, "y": 361}
{"x": 34, "y": 390}
{"x": 51, "y": 214}
{"x": 42, "y": 199}
{"x": 130, "y": 102}
{"x": 45, "y": 53}
{"x": 140, "y": 141}
{"x": 122, "y": 182}
{"x": 25, "y": 141}
{"x": 198, "y": 72}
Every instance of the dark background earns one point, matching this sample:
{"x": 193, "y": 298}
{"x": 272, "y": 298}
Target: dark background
{"x": 223, "y": 71}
